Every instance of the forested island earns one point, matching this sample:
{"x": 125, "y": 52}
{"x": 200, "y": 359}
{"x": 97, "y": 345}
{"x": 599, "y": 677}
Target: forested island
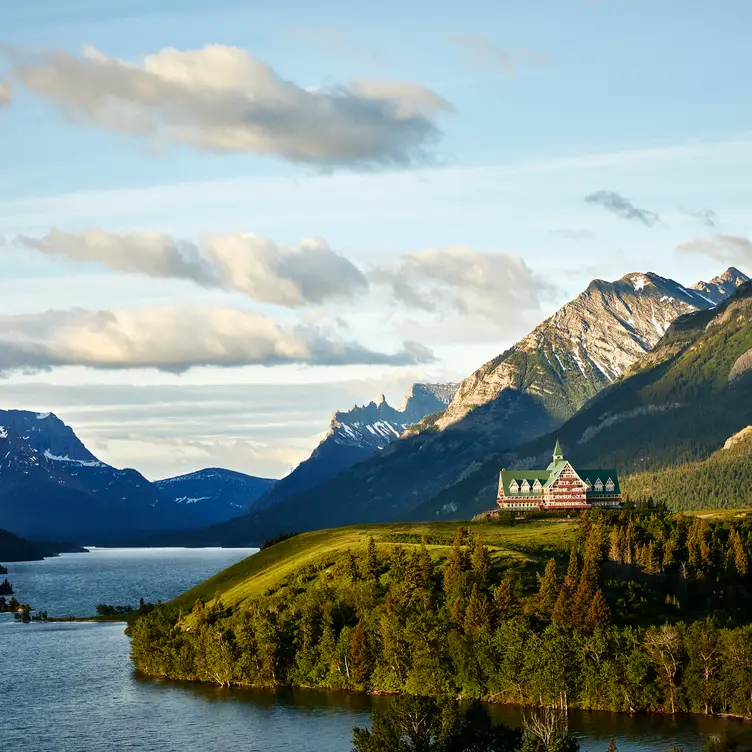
{"x": 638, "y": 610}
{"x": 14, "y": 548}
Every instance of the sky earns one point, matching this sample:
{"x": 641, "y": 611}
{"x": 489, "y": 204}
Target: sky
{"x": 220, "y": 222}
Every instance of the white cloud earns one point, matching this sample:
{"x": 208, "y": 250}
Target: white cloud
{"x": 309, "y": 273}
{"x": 729, "y": 249}
{"x": 497, "y": 286}
{"x": 176, "y": 340}
{"x": 221, "y": 98}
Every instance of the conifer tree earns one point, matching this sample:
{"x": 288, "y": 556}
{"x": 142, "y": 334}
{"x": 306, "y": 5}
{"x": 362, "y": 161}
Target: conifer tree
{"x": 599, "y": 614}
{"x": 371, "y": 563}
{"x": 504, "y": 598}
{"x": 561, "y": 613}
{"x": 549, "y": 589}
{"x": 458, "y": 613}
{"x": 478, "y": 612}
{"x": 426, "y": 567}
{"x": 481, "y": 563}
{"x": 741, "y": 561}
{"x": 359, "y": 668}
{"x": 573, "y": 570}
{"x": 454, "y": 566}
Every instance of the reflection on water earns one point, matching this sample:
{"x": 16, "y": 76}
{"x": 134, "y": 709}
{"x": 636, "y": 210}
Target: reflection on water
{"x": 68, "y": 687}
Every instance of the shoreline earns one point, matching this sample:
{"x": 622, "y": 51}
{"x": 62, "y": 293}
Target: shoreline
{"x": 486, "y": 701}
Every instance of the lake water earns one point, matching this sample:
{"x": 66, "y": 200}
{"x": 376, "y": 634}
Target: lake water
{"x": 68, "y": 687}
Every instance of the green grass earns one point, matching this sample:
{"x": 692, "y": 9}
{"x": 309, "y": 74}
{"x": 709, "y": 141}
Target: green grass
{"x": 252, "y": 577}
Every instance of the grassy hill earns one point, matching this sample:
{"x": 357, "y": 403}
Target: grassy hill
{"x": 266, "y": 570}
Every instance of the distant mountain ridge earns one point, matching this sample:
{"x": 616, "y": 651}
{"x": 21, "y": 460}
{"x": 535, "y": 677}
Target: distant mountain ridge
{"x": 356, "y": 434}
{"x": 214, "y": 494}
{"x": 525, "y": 392}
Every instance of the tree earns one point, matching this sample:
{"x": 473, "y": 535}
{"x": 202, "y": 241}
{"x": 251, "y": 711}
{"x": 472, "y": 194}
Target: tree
{"x": 455, "y": 565}
{"x": 371, "y": 563}
{"x": 481, "y": 563}
{"x": 741, "y": 561}
{"x": 549, "y": 589}
{"x": 504, "y": 598}
{"x": 599, "y": 614}
{"x": 547, "y": 731}
{"x": 359, "y": 665}
{"x": 612, "y": 746}
{"x": 478, "y": 612}
{"x": 663, "y": 645}
{"x": 561, "y": 613}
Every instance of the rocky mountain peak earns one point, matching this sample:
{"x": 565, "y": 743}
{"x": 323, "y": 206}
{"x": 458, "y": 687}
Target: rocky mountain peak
{"x": 720, "y": 287}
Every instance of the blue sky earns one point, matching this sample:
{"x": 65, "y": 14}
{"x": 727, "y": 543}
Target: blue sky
{"x": 468, "y": 137}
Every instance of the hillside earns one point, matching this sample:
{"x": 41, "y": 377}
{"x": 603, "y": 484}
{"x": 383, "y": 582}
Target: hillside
{"x": 677, "y": 405}
{"x": 524, "y": 613}
{"x": 13, "y": 548}
{"x": 356, "y": 434}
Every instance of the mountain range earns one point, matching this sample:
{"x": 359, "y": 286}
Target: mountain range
{"x": 526, "y": 392}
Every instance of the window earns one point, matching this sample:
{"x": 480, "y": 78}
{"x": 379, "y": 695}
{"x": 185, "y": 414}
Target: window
{"x": 525, "y": 486}
{"x": 598, "y": 485}
{"x": 609, "y": 485}
{"x": 513, "y": 487}
{"x": 537, "y": 486}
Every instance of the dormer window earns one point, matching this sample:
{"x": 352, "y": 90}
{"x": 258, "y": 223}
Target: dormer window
{"x": 589, "y": 484}
{"x": 525, "y": 486}
{"x": 537, "y": 487}
{"x": 514, "y": 487}
{"x": 598, "y": 485}
{"x": 609, "y": 485}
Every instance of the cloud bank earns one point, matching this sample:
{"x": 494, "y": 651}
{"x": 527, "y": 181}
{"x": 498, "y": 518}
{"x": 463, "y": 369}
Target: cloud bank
{"x": 497, "y": 286}
{"x": 309, "y": 273}
{"x": 729, "y": 249}
{"x": 176, "y": 340}
{"x": 220, "y": 98}
{"x": 622, "y": 207}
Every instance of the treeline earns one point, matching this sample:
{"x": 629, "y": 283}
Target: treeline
{"x": 647, "y": 612}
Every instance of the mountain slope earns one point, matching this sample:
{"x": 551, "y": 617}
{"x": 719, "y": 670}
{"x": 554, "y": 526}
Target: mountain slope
{"x": 719, "y": 288}
{"x": 214, "y": 494}
{"x": 679, "y": 404}
{"x": 524, "y": 393}
{"x": 356, "y": 434}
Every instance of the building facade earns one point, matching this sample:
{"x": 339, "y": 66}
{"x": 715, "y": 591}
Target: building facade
{"x": 558, "y": 488}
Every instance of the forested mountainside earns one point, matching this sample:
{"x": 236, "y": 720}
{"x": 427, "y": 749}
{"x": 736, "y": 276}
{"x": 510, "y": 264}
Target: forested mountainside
{"x": 679, "y": 404}
{"x": 356, "y": 434}
{"x": 214, "y": 494}
{"x": 634, "y": 611}
{"x": 13, "y": 548}
{"x": 524, "y": 393}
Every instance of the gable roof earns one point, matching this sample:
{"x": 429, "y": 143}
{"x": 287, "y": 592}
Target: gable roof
{"x": 604, "y": 475}
{"x": 549, "y": 476}
{"x": 507, "y": 476}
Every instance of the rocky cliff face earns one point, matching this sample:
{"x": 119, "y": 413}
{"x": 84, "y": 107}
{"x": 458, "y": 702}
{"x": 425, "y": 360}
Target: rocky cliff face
{"x": 719, "y": 288}
{"x": 586, "y": 344}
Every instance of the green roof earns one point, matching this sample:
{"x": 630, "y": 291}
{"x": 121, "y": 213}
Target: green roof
{"x": 552, "y": 473}
{"x": 557, "y": 450}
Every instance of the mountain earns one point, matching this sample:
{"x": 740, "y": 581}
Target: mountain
{"x": 53, "y": 487}
{"x": 675, "y": 425}
{"x": 356, "y": 434}
{"x": 526, "y": 392}
{"x": 719, "y": 288}
{"x": 214, "y": 494}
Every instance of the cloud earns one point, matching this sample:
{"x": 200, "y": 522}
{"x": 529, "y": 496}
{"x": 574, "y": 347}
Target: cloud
{"x": 496, "y": 286}
{"x": 309, "y": 273}
{"x": 729, "y": 249}
{"x": 333, "y": 39}
{"x": 176, "y": 340}
{"x": 220, "y": 98}
{"x": 622, "y": 207}
{"x": 481, "y": 50}
{"x": 706, "y": 216}
{"x": 6, "y": 94}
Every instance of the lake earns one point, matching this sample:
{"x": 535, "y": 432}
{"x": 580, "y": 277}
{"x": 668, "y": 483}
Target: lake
{"x": 71, "y": 686}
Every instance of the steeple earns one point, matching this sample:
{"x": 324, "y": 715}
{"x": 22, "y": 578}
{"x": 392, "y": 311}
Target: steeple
{"x": 558, "y": 454}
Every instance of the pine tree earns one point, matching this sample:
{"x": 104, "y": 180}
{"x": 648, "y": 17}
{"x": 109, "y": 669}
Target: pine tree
{"x": 741, "y": 561}
{"x": 371, "y": 563}
{"x": 477, "y": 613}
{"x": 359, "y": 668}
{"x": 573, "y": 570}
{"x": 599, "y": 614}
{"x": 549, "y": 589}
{"x": 458, "y": 612}
{"x": 504, "y": 598}
{"x": 481, "y": 563}
{"x": 561, "y": 613}
{"x": 454, "y": 566}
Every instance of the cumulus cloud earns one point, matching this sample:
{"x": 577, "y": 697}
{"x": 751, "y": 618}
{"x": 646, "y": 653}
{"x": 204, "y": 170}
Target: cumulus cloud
{"x": 6, "y": 94}
{"x": 221, "y": 98}
{"x": 706, "y": 216}
{"x": 309, "y": 273}
{"x": 483, "y": 51}
{"x": 622, "y": 207}
{"x": 729, "y": 249}
{"x": 176, "y": 340}
{"x": 497, "y": 286}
